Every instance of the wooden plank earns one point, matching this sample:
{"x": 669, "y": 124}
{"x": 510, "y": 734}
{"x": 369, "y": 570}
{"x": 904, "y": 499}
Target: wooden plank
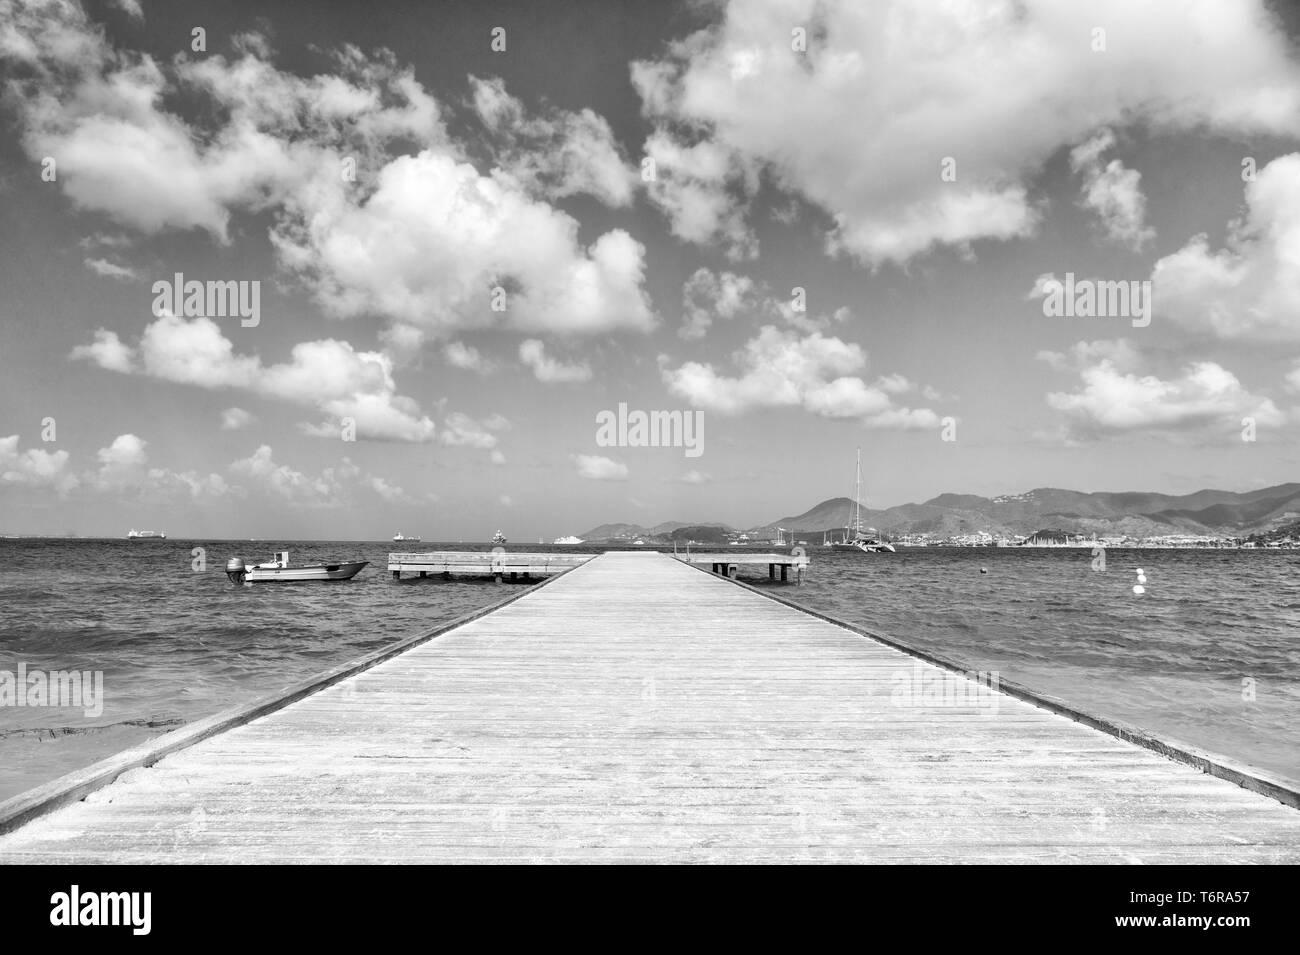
{"x": 70, "y": 787}
{"x": 732, "y": 557}
{"x": 484, "y": 563}
{"x": 639, "y": 709}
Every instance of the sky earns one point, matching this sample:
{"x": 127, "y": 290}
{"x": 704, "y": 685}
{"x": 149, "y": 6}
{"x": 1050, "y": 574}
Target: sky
{"x": 475, "y": 228}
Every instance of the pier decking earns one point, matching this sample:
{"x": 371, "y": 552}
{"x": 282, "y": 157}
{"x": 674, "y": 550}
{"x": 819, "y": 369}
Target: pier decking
{"x": 638, "y": 709}
{"x": 496, "y": 564}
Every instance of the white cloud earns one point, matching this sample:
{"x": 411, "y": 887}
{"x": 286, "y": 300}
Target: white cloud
{"x": 594, "y": 467}
{"x": 124, "y": 471}
{"x": 131, "y": 8}
{"x": 1119, "y": 394}
{"x": 107, "y": 351}
{"x": 468, "y": 357}
{"x": 236, "y": 419}
{"x": 335, "y": 486}
{"x": 779, "y": 368}
{"x": 1250, "y": 289}
{"x": 557, "y": 154}
{"x": 389, "y": 492}
{"x": 328, "y": 374}
{"x": 550, "y": 370}
{"x": 707, "y": 295}
{"x": 695, "y": 477}
{"x": 110, "y": 269}
{"x": 701, "y": 186}
{"x": 35, "y": 467}
{"x": 1113, "y": 192}
{"x": 998, "y": 86}
{"x": 419, "y": 237}
{"x": 460, "y": 430}
{"x": 435, "y": 237}
{"x": 1044, "y": 285}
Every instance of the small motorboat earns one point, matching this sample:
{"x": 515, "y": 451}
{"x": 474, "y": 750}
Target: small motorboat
{"x": 279, "y": 570}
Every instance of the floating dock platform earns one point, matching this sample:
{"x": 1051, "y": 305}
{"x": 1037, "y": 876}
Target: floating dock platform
{"x": 639, "y": 709}
{"x": 729, "y": 564}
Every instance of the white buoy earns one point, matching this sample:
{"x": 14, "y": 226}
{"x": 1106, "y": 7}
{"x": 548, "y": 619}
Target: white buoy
{"x": 1139, "y": 589}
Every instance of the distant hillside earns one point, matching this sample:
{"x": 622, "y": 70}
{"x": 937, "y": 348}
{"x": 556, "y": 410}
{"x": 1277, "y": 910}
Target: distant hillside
{"x": 668, "y": 530}
{"x": 1132, "y": 513}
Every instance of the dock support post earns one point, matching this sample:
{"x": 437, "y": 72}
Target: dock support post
{"x": 785, "y": 572}
{"x": 514, "y": 576}
{"x": 732, "y": 570}
{"x": 771, "y": 571}
{"x": 397, "y": 575}
{"x": 424, "y": 573}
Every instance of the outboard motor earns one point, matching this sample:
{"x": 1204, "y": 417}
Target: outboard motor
{"x": 235, "y": 570}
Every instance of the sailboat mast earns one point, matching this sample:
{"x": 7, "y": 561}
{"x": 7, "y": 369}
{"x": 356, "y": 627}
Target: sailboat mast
{"x": 857, "y": 496}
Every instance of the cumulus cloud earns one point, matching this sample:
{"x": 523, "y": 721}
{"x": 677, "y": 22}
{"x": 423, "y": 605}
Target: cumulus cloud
{"x": 1113, "y": 192}
{"x": 707, "y": 296}
{"x": 322, "y": 490}
{"x": 551, "y": 370}
{"x": 461, "y": 430}
{"x": 701, "y": 187}
{"x": 124, "y": 472}
{"x": 595, "y": 467}
{"x": 107, "y": 351}
{"x": 328, "y": 374}
{"x": 1119, "y": 393}
{"x": 374, "y": 206}
{"x": 435, "y": 238}
{"x": 35, "y": 467}
{"x": 782, "y": 369}
{"x": 556, "y": 154}
{"x": 1250, "y": 289}
{"x": 997, "y": 86}
{"x": 695, "y": 477}
{"x": 338, "y": 485}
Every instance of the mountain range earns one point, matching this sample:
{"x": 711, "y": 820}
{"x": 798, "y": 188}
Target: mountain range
{"x": 1136, "y": 514}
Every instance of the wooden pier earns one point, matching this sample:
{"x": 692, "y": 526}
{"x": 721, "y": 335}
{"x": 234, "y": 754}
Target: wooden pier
{"x": 729, "y": 564}
{"x": 638, "y": 709}
{"x": 499, "y": 564}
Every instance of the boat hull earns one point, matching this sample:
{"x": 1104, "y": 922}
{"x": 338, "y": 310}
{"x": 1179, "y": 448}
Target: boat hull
{"x": 287, "y": 575}
{"x": 865, "y": 547}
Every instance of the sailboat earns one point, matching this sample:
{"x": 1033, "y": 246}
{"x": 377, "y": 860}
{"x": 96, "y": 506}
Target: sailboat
{"x": 854, "y": 538}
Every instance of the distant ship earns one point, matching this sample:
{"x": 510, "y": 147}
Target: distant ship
{"x": 568, "y": 540}
{"x": 132, "y": 534}
{"x": 859, "y": 540}
{"x": 399, "y": 538}
{"x": 498, "y": 537}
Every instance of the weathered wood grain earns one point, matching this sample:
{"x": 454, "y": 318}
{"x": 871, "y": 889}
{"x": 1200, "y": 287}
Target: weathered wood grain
{"x": 638, "y": 710}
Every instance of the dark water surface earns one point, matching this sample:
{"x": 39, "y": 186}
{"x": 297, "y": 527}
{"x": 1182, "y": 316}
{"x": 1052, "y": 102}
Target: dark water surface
{"x": 175, "y": 644}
